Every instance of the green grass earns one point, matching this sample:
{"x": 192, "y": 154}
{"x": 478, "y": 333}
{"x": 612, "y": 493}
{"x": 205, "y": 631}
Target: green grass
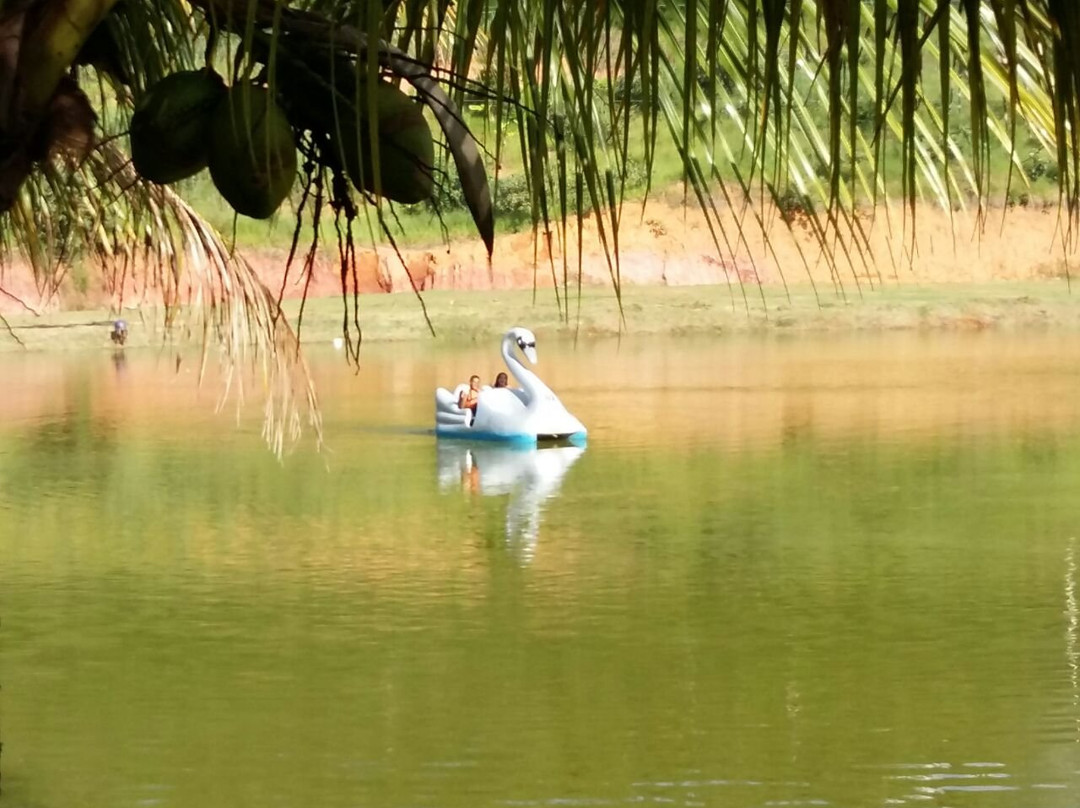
{"x": 418, "y": 225}
{"x": 470, "y": 316}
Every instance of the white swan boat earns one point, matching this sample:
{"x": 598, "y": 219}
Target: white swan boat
{"x": 525, "y": 414}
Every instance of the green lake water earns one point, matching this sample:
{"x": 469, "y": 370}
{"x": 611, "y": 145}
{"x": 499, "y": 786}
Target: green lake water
{"x": 828, "y": 572}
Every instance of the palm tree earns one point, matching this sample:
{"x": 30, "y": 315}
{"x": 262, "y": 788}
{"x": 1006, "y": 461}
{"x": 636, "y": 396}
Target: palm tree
{"x": 823, "y": 108}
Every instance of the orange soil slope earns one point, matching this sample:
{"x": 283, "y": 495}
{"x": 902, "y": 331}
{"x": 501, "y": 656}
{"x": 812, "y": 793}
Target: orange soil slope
{"x": 666, "y": 244}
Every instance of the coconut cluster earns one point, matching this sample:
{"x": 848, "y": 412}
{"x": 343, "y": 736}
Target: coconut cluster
{"x": 190, "y": 121}
{"x": 406, "y": 150}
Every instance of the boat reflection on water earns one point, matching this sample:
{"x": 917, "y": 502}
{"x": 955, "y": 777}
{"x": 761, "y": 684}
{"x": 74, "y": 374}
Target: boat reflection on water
{"x": 528, "y": 475}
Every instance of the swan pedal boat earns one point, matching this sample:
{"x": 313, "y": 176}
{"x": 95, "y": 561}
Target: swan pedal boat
{"x": 524, "y": 415}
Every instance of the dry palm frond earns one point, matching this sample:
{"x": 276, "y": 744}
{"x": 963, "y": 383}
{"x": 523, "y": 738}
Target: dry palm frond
{"x": 147, "y": 236}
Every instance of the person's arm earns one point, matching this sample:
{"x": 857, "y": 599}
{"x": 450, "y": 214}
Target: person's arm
{"x": 462, "y": 398}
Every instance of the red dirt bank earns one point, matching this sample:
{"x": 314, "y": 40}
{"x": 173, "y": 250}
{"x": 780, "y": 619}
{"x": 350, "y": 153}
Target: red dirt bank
{"x": 667, "y": 245}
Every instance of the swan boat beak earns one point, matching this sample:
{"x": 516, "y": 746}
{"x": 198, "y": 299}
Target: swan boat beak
{"x": 530, "y": 353}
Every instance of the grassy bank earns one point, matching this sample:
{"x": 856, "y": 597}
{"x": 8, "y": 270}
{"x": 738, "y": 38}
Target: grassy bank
{"x": 469, "y": 316}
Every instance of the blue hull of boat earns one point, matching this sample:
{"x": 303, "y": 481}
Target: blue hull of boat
{"x": 519, "y": 439}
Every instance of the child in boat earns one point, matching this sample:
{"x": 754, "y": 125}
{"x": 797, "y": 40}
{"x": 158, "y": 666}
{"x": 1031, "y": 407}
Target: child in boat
{"x": 468, "y": 398}
{"x": 501, "y": 380}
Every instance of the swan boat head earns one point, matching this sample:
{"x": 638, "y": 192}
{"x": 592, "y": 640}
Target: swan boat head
{"x": 525, "y": 340}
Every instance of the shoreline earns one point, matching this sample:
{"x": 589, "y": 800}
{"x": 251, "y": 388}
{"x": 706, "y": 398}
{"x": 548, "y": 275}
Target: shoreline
{"x": 461, "y": 316}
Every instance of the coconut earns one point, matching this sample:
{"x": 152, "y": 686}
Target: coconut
{"x": 170, "y": 125}
{"x": 252, "y": 152}
{"x": 406, "y": 150}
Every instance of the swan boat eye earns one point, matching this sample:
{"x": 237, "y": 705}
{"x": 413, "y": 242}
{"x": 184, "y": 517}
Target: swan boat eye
{"x": 523, "y": 344}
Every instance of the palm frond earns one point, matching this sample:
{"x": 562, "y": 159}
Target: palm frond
{"x": 146, "y": 238}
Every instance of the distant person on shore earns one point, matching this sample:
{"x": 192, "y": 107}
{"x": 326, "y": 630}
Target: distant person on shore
{"x": 501, "y": 380}
{"x": 469, "y": 398}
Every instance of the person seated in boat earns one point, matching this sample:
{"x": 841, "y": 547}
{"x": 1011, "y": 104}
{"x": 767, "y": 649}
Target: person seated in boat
{"x": 469, "y": 398}
{"x": 501, "y": 380}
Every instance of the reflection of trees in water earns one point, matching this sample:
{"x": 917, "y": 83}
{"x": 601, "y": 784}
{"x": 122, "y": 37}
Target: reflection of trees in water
{"x": 824, "y": 592}
{"x": 78, "y": 443}
{"x": 1072, "y": 629}
{"x": 796, "y": 419}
